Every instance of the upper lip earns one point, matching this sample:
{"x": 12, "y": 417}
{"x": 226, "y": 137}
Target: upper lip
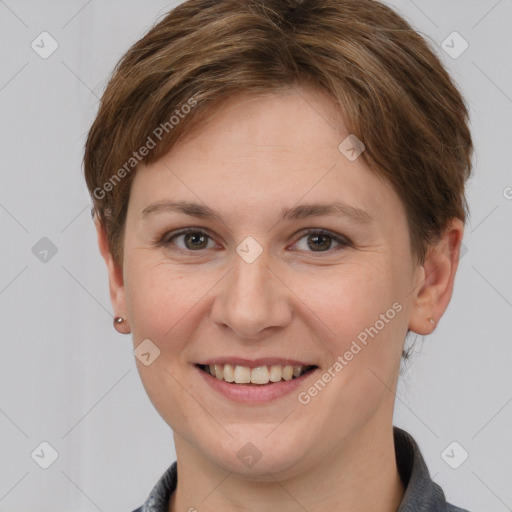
{"x": 254, "y": 363}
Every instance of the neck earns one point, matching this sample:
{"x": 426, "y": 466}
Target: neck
{"x": 360, "y": 476}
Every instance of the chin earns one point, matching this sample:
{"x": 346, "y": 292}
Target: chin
{"x": 257, "y": 456}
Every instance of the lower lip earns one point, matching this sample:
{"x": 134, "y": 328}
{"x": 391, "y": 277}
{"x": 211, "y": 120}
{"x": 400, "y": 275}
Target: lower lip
{"x": 253, "y": 393}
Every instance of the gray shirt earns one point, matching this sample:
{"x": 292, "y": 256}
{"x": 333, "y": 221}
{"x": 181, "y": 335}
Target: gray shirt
{"x": 422, "y": 494}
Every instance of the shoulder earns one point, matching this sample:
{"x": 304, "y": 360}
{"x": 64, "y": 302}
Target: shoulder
{"x": 421, "y": 492}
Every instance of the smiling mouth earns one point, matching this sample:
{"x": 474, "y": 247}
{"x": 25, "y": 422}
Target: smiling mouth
{"x": 262, "y": 375}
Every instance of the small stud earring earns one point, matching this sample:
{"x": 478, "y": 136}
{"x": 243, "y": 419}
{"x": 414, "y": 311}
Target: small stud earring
{"x": 120, "y": 326}
{"x": 432, "y": 321}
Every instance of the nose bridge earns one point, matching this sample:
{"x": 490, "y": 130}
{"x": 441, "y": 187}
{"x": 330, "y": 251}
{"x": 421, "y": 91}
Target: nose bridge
{"x": 251, "y": 298}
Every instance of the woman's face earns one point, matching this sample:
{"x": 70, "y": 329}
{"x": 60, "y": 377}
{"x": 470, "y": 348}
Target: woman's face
{"x": 252, "y": 287}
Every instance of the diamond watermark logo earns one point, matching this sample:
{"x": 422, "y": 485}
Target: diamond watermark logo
{"x": 249, "y": 250}
{"x": 44, "y": 45}
{"x": 44, "y": 250}
{"x": 147, "y": 352}
{"x": 44, "y": 455}
{"x": 454, "y": 455}
{"x": 454, "y": 45}
{"x": 351, "y": 148}
{"x": 463, "y": 250}
{"x": 249, "y": 455}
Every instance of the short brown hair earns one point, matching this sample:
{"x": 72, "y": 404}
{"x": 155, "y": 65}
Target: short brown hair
{"x": 391, "y": 88}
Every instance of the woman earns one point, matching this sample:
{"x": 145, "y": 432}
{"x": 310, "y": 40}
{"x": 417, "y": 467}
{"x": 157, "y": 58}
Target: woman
{"x": 278, "y": 192}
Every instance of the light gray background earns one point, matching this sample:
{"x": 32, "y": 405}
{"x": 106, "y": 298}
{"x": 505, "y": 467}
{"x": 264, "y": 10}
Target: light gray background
{"x": 66, "y": 377}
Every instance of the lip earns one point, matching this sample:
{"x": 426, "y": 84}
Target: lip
{"x": 254, "y": 363}
{"x": 254, "y": 393}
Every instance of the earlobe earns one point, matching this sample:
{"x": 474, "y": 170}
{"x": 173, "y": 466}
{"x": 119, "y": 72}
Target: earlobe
{"x": 115, "y": 279}
{"x": 121, "y": 325}
{"x": 435, "y": 284}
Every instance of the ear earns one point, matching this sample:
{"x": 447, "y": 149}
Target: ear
{"x": 115, "y": 278}
{"x": 434, "y": 287}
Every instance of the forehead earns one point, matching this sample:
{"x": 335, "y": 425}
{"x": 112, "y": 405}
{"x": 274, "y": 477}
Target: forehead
{"x": 277, "y": 122}
{"x": 265, "y": 151}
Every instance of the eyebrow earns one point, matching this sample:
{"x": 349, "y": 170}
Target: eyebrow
{"x": 297, "y": 212}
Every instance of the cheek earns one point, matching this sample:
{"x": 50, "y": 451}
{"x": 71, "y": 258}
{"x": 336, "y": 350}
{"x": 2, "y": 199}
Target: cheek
{"x": 159, "y": 299}
{"x": 352, "y": 299}
{"x": 366, "y": 318}
{"x": 364, "y": 325}
{"x": 161, "y": 304}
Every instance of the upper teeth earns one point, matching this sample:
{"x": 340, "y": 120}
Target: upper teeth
{"x": 259, "y": 375}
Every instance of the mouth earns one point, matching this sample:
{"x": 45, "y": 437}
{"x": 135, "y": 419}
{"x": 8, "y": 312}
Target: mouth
{"x": 259, "y": 376}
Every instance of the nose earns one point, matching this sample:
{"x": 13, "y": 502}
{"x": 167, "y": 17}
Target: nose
{"x": 252, "y": 299}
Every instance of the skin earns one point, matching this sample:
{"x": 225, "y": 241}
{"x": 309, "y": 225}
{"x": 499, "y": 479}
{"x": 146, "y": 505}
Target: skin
{"x": 304, "y": 301}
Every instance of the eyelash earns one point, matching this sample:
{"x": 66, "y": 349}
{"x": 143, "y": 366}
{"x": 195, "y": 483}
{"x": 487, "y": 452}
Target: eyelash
{"x": 342, "y": 241}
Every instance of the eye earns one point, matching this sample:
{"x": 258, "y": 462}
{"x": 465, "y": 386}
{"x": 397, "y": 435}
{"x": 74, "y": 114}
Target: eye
{"x": 193, "y": 239}
{"x": 320, "y": 240}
